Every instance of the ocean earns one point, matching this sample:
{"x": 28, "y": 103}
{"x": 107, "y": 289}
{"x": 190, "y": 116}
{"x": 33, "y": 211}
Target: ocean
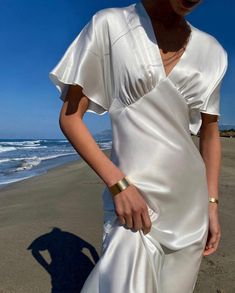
{"x": 24, "y": 158}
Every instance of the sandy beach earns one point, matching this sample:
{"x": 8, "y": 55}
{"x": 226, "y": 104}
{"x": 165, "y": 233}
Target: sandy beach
{"x": 51, "y": 229}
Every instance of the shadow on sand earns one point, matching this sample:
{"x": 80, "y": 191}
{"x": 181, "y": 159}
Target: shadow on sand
{"x": 69, "y": 266}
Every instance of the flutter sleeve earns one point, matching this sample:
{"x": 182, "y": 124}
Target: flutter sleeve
{"x": 211, "y": 103}
{"x": 211, "y": 98}
{"x": 82, "y": 64}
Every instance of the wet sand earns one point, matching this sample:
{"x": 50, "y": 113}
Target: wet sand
{"x": 58, "y": 217}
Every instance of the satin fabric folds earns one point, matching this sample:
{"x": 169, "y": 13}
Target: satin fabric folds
{"x": 116, "y": 60}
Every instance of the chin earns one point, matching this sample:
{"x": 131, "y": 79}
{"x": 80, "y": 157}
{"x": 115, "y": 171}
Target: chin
{"x": 183, "y": 7}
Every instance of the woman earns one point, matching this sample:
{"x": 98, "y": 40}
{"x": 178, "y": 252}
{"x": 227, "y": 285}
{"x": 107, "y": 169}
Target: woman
{"x": 159, "y": 78}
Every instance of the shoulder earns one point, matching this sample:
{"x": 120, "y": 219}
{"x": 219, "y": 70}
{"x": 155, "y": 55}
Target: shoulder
{"x": 112, "y": 21}
{"x": 211, "y": 49}
{"x": 211, "y": 59}
{"x": 114, "y": 13}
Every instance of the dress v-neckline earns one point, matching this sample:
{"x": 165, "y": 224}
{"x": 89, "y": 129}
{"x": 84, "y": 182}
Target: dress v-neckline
{"x": 182, "y": 57}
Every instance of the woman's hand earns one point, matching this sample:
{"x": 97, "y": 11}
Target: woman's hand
{"x": 214, "y": 233}
{"x": 132, "y": 209}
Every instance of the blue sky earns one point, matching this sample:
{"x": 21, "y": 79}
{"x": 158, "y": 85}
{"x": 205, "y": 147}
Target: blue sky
{"x": 34, "y": 36}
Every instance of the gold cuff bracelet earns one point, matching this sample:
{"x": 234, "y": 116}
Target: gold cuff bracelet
{"x": 119, "y": 186}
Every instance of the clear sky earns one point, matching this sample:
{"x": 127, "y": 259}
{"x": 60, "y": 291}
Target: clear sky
{"x": 34, "y": 36}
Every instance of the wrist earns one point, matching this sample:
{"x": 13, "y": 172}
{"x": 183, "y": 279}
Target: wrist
{"x": 114, "y": 178}
{"x": 213, "y": 210}
{"x": 213, "y": 205}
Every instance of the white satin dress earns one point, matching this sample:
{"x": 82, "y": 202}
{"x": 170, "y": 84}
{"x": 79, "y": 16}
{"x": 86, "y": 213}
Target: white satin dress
{"x": 116, "y": 59}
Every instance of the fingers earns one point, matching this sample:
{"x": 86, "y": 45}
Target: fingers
{"x": 129, "y": 221}
{"x": 132, "y": 210}
{"x": 146, "y": 222}
{"x": 125, "y": 218}
{"x": 210, "y": 250}
{"x": 212, "y": 243}
{"x": 136, "y": 220}
{"x": 122, "y": 220}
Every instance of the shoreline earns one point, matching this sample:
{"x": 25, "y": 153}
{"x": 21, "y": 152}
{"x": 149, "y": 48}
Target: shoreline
{"x": 59, "y": 216}
{"x": 39, "y": 170}
{"x": 46, "y": 170}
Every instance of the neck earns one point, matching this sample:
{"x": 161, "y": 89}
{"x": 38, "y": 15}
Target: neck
{"x": 161, "y": 11}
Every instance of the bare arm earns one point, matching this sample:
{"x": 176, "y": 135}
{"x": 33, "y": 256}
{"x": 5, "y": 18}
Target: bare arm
{"x": 77, "y": 133}
{"x": 130, "y": 205}
{"x": 210, "y": 149}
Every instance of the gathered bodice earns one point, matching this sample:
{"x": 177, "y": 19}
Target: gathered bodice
{"x": 136, "y": 68}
